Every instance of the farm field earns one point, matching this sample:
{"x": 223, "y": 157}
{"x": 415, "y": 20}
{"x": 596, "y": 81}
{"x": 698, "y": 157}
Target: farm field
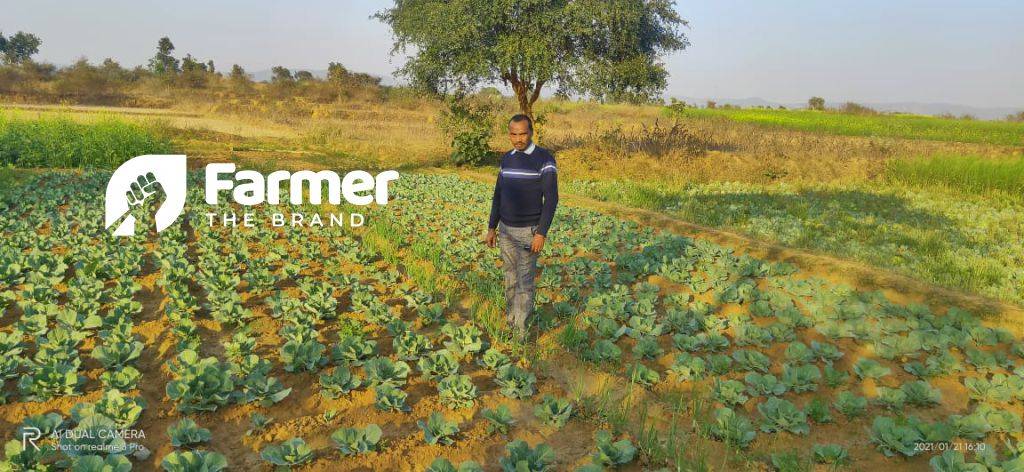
{"x": 263, "y": 245}
{"x": 895, "y": 126}
{"x": 659, "y": 349}
{"x": 323, "y": 329}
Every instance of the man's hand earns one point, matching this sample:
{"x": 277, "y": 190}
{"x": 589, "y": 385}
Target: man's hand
{"x": 538, "y": 243}
{"x": 491, "y": 238}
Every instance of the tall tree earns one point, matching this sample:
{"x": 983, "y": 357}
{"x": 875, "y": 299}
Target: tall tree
{"x": 607, "y": 49}
{"x": 20, "y": 47}
{"x": 816, "y": 103}
{"x": 164, "y": 63}
{"x": 240, "y": 80}
{"x": 281, "y": 75}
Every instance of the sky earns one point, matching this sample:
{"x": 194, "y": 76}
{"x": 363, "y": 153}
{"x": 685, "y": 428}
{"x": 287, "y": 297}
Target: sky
{"x": 870, "y": 51}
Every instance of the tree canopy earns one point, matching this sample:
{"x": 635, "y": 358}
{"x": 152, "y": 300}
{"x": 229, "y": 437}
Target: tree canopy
{"x": 605, "y": 49}
{"x": 19, "y": 47}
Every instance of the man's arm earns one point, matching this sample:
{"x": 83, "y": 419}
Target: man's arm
{"x": 549, "y": 189}
{"x": 495, "y": 203}
{"x": 491, "y": 239}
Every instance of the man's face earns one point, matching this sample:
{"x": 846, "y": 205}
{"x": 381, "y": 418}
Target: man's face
{"x": 519, "y": 133}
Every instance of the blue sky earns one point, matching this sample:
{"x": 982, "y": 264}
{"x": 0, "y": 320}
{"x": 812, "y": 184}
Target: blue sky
{"x": 963, "y": 52}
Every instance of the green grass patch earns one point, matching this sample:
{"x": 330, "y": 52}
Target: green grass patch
{"x": 893, "y": 126}
{"x": 58, "y": 141}
{"x": 958, "y": 239}
{"x": 970, "y": 174}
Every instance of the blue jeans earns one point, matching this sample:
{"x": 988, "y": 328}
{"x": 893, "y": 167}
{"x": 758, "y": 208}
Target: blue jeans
{"x": 520, "y": 267}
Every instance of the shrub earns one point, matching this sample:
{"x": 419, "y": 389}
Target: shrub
{"x": 469, "y": 123}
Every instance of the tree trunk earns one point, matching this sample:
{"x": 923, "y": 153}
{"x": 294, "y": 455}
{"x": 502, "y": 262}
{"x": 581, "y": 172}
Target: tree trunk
{"x": 526, "y": 93}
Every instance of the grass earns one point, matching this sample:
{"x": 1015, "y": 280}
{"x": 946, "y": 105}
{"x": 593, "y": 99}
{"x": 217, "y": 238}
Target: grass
{"x": 964, "y": 241}
{"x": 966, "y": 173}
{"x": 893, "y": 126}
{"x": 57, "y": 141}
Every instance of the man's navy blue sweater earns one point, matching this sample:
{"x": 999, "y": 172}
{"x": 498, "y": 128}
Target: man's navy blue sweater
{"x": 526, "y": 192}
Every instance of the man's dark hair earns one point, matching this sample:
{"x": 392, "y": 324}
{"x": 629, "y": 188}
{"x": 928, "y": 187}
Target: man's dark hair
{"x": 521, "y": 117}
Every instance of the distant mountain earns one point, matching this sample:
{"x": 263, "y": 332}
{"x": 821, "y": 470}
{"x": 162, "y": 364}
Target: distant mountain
{"x": 985, "y": 113}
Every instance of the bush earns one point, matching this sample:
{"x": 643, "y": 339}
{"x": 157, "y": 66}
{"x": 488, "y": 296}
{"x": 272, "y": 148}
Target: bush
{"x": 469, "y": 124}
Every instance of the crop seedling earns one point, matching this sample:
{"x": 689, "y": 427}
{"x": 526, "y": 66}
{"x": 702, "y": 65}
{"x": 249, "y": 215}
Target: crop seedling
{"x": 438, "y": 365}
{"x": 818, "y": 410}
{"x": 339, "y": 381}
{"x": 457, "y": 391}
{"x": 191, "y": 461}
{"x": 384, "y": 371}
{"x": 515, "y": 382}
{"x": 186, "y": 433}
{"x": 647, "y": 348}
{"x": 289, "y": 453}
{"x": 750, "y": 360}
{"x": 866, "y": 368}
{"x": 781, "y": 415}
{"x": 732, "y": 428}
{"x": 258, "y": 422}
{"x": 499, "y": 419}
{"x": 200, "y": 384}
{"x": 437, "y": 430}
{"x": 390, "y": 398}
{"x": 895, "y": 437}
{"x": 643, "y": 375}
{"x": 801, "y": 379}
{"x": 612, "y": 454}
{"x": 763, "y": 385}
{"x": 729, "y": 392}
{"x": 353, "y": 441}
{"x": 522, "y": 458}
{"x": 850, "y": 405}
{"x": 493, "y": 359}
{"x": 688, "y": 367}
{"x": 553, "y": 411}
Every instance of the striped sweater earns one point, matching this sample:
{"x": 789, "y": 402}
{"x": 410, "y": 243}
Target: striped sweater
{"x": 526, "y": 192}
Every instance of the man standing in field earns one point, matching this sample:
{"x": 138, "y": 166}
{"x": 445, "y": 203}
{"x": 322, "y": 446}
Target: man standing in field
{"x": 525, "y": 197}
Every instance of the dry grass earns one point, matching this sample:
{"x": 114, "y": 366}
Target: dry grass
{"x": 592, "y": 141}
{"x": 726, "y": 150}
